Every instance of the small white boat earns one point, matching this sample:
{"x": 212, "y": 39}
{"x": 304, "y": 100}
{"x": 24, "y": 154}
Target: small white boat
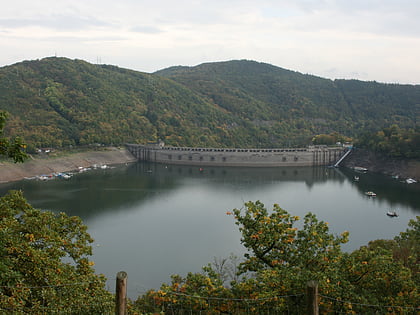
{"x": 392, "y": 214}
{"x": 370, "y": 194}
{"x": 410, "y": 181}
{"x": 356, "y": 178}
{"x": 360, "y": 169}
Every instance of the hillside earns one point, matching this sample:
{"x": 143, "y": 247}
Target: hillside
{"x": 62, "y": 102}
{"x": 306, "y": 104}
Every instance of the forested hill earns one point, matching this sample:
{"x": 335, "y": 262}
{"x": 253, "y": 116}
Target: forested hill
{"x": 309, "y": 104}
{"x": 61, "y": 102}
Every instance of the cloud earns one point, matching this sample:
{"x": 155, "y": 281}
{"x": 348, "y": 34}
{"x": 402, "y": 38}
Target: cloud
{"x": 54, "y": 22}
{"x": 147, "y": 29}
{"x": 354, "y": 38}
{"x": 380, "y": 17}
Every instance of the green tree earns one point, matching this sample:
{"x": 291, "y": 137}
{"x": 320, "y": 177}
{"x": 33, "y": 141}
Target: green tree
{"x": 408, "y": 248}
{"x": 283, "y": 254}
{"x": 273, "y": 240}
{"x": 14, "y": 148}
{"x": 44, "y": 265}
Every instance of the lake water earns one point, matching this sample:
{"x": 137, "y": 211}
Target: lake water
{"x": 154, "y": 220}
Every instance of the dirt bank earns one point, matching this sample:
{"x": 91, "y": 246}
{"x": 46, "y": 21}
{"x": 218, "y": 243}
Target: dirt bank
{"x": 378, "y": 163}
{"x": 63, "y": 163}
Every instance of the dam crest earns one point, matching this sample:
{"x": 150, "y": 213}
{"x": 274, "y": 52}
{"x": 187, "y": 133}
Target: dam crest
{"x": 310, "y": 156}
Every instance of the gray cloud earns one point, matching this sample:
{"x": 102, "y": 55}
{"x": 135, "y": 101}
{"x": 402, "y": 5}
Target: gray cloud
{"x": 356, "y": 37}
{"x": 382, "y": 17}
{"x": 56, "y": 22}
{"x": 146, "y": 29}
{"x": 78, "y": 39}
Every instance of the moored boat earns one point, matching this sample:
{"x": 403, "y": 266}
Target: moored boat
{"x": 360, "y": 169}
{"x": 392, "y": 214}
{"x": 370, "y": 194}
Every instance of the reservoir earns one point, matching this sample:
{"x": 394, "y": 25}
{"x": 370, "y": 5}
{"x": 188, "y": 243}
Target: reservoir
{"x": 155, "y": 220}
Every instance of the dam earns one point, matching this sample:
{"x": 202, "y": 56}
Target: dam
{"x": 310, "y": 156}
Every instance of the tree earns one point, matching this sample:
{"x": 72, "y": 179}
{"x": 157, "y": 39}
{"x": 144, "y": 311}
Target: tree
{"x": 408, "y": 248}
{"x": 11, "y": 148}
{"x": 44, "y": 265}
{"x": 274, "y": 242}
{"x": 283, "y": 256}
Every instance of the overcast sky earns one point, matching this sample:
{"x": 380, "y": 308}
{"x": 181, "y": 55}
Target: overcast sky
{"x": 353, "y": 39}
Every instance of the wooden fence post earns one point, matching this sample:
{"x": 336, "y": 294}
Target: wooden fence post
{"x": 121, "y": 294}
{"x": 312, "y": 297}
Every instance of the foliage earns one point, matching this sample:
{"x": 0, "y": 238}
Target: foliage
{"x": 44, "y": 262}
{"x": 13, "y": 149}
{"x": 287, "y": 106}
{"x": 393, "y": 141}
{"x": 330, "y": 139}
{"x": 182, "y": 294}
{"x": 274, "y": 241}
{"x": 283, "y": 256}
{"x": 408, "y": 248}
{"x": 61, "y": 102}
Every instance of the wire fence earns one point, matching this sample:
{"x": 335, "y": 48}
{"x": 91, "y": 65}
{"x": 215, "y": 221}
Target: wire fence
{"x": 69, "y": 298}
{"x": 339, "y": 306}
{"x": 52, "y": 299}
{"x": 294, "y": 304}
{"x": 183, "y": 304}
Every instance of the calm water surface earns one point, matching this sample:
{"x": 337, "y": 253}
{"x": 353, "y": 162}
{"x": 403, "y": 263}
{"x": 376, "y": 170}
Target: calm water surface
{"x": 153, "y": 220}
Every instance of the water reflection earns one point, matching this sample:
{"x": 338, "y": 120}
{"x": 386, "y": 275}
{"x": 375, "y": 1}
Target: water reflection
{"x": 393, "y": 191}
{"x": 98, "y": 191}
{"x": 155, "y": 220}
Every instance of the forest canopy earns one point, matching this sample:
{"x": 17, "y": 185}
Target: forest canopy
{"x": 392, "y": 141}
{"x": 58, "y": 102}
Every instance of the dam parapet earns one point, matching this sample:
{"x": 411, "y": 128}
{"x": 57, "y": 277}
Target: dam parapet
{"x": 310, "y": 156}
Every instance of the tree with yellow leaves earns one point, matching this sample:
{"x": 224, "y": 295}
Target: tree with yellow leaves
{"x": 44, "y": 265}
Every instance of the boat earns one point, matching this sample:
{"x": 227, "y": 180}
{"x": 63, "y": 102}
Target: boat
{"x": 360, "y": 169}
{"x": 356, "y": 178}
{"x": 370, "y": 194}
{"x": 410, "y": 181}
{"x": 392, "y": 214}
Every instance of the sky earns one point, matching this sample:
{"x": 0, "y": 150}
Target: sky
{"x": 369, "y": 40}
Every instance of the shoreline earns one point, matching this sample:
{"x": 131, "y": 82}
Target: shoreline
{"x": 36, "y": 166}
{"x": 379, "y": 163}
{"x": 44, "y": 165}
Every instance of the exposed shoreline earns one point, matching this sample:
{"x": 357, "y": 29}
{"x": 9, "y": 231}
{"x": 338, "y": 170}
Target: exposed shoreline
{"x": 44, "y": 165}
{"x": 379, "y": 163}
{"x": 10, "y": 172}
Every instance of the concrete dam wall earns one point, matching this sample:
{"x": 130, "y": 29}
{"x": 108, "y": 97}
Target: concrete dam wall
{"x": 311, "y": 156}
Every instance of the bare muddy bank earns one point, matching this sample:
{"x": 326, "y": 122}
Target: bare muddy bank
{"x": 47, "y": 165}
{"x": 379, "y": 163}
